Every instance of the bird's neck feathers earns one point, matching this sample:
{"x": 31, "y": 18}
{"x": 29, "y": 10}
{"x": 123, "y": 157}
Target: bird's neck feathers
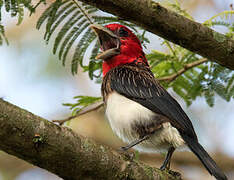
{"x": 131, "y": 52}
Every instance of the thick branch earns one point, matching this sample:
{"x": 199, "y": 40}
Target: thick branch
{"x": 63, "y": 152}
{"x": 182, "y": 71}
{"x": 173, "y": 27}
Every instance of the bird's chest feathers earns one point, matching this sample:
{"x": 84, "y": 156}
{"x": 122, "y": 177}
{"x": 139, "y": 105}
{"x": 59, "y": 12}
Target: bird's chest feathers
{"x": 124, "y": 114}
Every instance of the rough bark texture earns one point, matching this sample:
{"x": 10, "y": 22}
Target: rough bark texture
{"x": 63, "y": 152}
{"x": 173, "y": 27}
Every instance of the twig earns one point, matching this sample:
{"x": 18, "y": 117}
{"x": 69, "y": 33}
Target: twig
{"x": 91, "y": 107}
{"x": 62, "y": 121}
{"x": 85, "y": 14}
{"x": 183, "y": 70}
{"x": 85, "y": 110}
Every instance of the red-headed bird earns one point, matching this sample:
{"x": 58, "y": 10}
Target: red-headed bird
{"x": 140, "y": 111}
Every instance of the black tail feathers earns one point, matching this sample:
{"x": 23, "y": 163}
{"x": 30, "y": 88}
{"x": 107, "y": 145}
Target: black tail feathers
{"x": 204, "y": 157}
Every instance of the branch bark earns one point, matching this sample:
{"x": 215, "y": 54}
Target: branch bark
{"x": 173, "y": 27}
{"x": 63, "y": 152}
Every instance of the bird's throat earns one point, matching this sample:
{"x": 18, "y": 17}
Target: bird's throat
{"x": 120, "y": 60}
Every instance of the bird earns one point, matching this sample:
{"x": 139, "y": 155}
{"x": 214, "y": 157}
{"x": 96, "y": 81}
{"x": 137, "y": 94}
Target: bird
{"x": 139, "y": 110}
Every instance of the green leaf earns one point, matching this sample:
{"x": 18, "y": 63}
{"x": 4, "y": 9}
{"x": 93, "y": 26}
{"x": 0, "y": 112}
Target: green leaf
{"x": 58, "y": 18}
{"x": 52, "y": 15}
{"x": 7, "y": 5}
{"x": 81, "y": 47}
{"x": 229, "y": 87}
{"x": 82, "y": 102}
{"x": 209, "y": 96}
{"x": 16, "y": 9}
{"x": 69, "y": 24}
{"x": 74, "y": 34}
{"x": 43, "y": 17}
{"x": 20, "y": 14}
{"x": 2, "y": 35}
{"x": 223, "y": 15}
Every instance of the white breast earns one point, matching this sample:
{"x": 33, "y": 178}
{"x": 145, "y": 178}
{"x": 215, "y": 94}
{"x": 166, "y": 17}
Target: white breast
{"x": 122, "y": 113}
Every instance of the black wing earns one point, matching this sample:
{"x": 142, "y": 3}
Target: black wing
{"x": 138, "y": 84}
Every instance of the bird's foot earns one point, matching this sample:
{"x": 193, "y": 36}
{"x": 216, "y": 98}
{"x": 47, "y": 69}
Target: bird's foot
{"x": 164, "y": 167}
{"x": 129, "y": 156}
{"x": 175, "y": 174}
{"x": 124, "y": 148}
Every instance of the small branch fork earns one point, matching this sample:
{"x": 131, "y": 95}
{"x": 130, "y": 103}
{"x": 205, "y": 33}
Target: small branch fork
{"x": 85, "y": 14}
{"x": 183, "y": 70}
{"x": 85, "y": 110}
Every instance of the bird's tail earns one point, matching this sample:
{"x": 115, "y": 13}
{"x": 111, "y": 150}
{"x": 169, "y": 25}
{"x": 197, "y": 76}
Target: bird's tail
{"x": 204, "y": 157}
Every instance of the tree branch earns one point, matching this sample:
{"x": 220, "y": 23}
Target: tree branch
{"x": 173, "y": 27}
{"x": 63, "y": 152}
{"x": 182, "y": 71}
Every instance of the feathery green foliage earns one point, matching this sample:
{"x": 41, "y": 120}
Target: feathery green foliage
{"x": 219, "y": 20}
{"x": 205, "y": 80}
{"x": 82, "y": 102}
{"x": 222, "y": 15}
{"x": 2, "y": 35}
{"x": 175, "y": 6}
{"x": 16, "y": 9}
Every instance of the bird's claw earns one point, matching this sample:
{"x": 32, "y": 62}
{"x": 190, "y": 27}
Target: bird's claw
{"x": 123, "y": 148}
{"x": 163, "y": 168}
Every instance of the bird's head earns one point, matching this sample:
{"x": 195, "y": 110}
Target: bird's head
{"x": 119, "y": 46}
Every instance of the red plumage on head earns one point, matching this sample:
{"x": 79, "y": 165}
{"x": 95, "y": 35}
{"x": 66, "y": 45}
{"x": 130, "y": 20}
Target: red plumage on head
{"x": 130, "y": 50}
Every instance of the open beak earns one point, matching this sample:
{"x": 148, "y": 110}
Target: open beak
{"x": 110, "y": 43}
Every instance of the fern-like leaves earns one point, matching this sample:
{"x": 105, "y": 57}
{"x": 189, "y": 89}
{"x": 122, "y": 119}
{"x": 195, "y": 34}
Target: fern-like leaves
{"x": 206, "y": 80}
{"x": 223, "y": 15}
{"x": 82, "y": 102}
{"x": 2, "y": 35}
{"x": 16, "y": 9}
{"x": 73, "y": 20}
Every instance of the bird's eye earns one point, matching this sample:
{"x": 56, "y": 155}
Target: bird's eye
{"x": 123, "y": 32}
